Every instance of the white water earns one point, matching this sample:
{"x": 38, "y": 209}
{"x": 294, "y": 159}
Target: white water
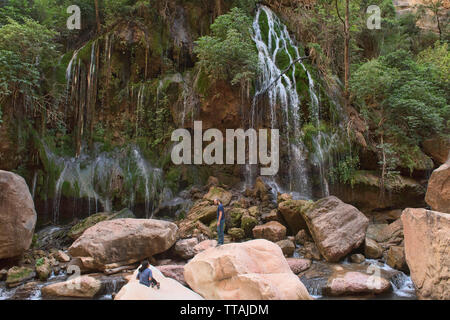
{"x": 281, "y": 92}
{"x": 402, "y": 285}
{"x": 97, "y": 178}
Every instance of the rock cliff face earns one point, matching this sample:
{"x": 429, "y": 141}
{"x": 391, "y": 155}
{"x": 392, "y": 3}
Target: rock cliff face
{"x": 427, "y": 22}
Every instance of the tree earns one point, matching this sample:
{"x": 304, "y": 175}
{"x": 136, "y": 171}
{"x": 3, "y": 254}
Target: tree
{"x": 436, "y": 7}
{"x": 439, "y": 57}
{"x": 229, "y": 53}
{"x": 403, "y": 101}
{"x": 346, "y": 30}
{"x": 97, "y": 16}
{"x": 27, "y": 53}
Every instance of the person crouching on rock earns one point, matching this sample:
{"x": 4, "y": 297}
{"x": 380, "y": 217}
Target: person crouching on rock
{"x": 220, "y": 221}
{"x": 145, "y": 276}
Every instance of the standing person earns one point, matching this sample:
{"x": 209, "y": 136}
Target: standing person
{"x": 145, "y": 275}
{"x": 220, "y": 221}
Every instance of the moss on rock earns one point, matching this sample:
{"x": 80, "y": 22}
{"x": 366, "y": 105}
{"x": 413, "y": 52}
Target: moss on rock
{"x": 236, "y": 233}
{"x": 248, "y": 223}
{"x": 17, "y": 275}
{"x": 78, "y": 229}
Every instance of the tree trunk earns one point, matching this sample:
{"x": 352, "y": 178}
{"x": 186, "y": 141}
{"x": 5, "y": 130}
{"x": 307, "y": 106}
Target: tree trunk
{"x": 97, "y": 16}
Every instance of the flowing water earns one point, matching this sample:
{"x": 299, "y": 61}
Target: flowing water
{"x": 101, "y": 177}
{"x": 278, "y": 88}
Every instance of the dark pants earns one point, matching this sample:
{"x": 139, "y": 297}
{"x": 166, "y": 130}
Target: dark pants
{"x": 153, "y": 282}
{"x": 220, "y": 231}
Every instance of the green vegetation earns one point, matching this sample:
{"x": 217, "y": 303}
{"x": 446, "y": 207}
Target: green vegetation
{"x": 229, "y": 53}
{"x": 399, "y": 81}
{"x": 345, "y": 170}
{"x": 406, "y": 98}
{"x": 27, "y": 50}
{"x": 40, "y": 262}
{"x": 18, "y": 274}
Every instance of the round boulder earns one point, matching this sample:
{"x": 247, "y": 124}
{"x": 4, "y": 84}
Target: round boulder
{"x": 252, "y": 270}
{"x": 123, "y": 241}
{"x": 272, "y": 231}
{"x": 17, "y": 215}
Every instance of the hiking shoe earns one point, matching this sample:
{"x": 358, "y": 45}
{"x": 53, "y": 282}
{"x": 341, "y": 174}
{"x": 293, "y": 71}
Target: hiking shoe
{"x": 158, "y": 286}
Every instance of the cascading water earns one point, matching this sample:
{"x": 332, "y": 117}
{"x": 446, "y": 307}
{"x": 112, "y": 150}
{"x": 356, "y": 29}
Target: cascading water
{"x": 188, "y": 99}
{"x": 281, "y": 92}
{"x": 101, "y": 178}
{"x": 317, "y": 140}
{"x": 286, "y": 85}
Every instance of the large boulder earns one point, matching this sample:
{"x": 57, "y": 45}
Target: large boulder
{"x": 170, "y": 289}
{"x": 438, "y": 192}
{"x": 426, "y": 249}
{"x": 17, "y": 215}
{"x": 336, "y": 227}
{"x": 351, "y": 279}
{"x": 174, "y": 271}
{"x": 438, "y": 148}
{"x": 202, "y": 211}
{"x": 77, "y": 230}
{"x": 273, "y": 231}
{"x": 291, "y": 210}
{"x": 123, "y": 241}
{"x": 190, "y": 228}
{"x": 218, "y": 193}
{"x": 255, "y": 270}
{"x": 185, "y": 248}
{"x": 78, "y": 287}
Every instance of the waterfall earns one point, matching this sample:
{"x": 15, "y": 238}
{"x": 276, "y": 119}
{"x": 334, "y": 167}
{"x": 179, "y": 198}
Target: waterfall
{"x": 140, "y": 106}
{"x": 149, "y": 175}
{"x": 100, "y": 178}
{"x": 272, "y": 42}
{"x": 188, "y": 98}
{"x": 317, "y": 140}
